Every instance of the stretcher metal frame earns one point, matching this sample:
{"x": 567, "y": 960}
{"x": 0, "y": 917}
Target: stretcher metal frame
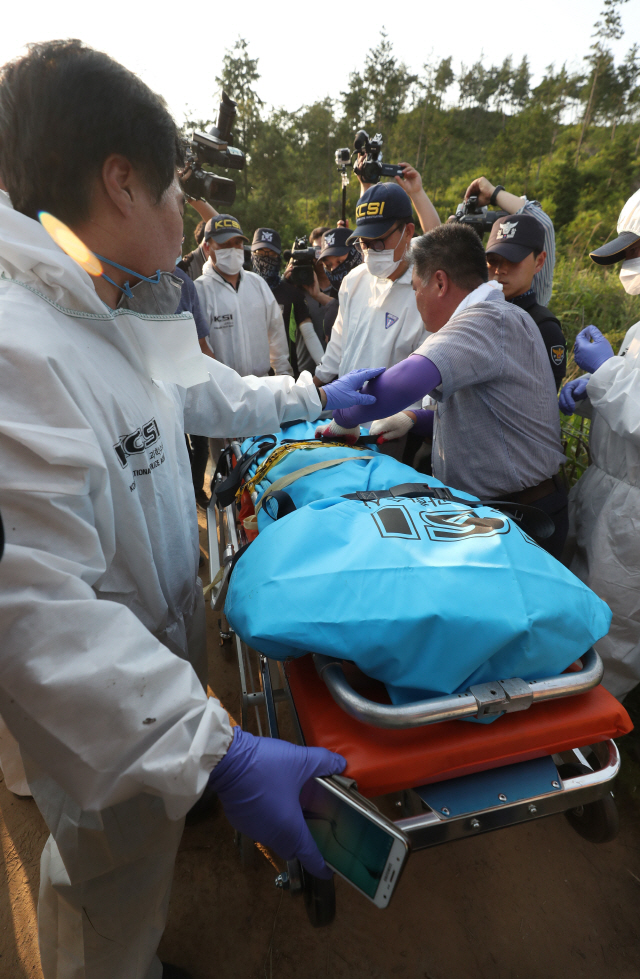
{"x": 264, "y": 686}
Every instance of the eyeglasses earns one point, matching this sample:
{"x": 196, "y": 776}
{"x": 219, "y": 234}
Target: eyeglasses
{"x": 375, "y": 244}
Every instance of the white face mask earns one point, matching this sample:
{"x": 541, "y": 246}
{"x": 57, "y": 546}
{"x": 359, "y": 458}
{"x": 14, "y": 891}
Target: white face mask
{"x": 381, "y": 264}
{"x": 229, "y": 260}
{"x": 630, "y": 276}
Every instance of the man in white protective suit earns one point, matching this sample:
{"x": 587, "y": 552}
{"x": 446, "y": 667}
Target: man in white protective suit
{"x": 103, "y": 659}
{"x": 604, "y": 505}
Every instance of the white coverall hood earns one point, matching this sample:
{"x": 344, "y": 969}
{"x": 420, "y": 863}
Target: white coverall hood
{"x": 604, "y": 510}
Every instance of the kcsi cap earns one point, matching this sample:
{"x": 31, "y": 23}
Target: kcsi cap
{"x": 378, "y": 209}
{"x": 628, "y": 234}
{"x": 515, "y": 236}
{"x": 222, "y": 227}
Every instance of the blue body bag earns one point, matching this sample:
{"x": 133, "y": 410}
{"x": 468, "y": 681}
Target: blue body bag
{"x": 426, "y": 595}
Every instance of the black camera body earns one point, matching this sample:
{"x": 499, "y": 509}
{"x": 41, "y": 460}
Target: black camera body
{"x": 302, "y": 257}
{"x": 214, "y": 149}
{"x": 373, "y": 168}
{"x": 343, "y": 157}
{"x": 481, "y": 219}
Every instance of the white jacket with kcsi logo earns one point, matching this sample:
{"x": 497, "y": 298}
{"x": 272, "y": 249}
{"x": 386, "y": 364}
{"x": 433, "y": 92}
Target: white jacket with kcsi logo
{"x": 246, "y": 330}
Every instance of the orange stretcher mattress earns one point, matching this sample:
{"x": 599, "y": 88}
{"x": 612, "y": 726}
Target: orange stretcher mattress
{"x": 383, "y": 761}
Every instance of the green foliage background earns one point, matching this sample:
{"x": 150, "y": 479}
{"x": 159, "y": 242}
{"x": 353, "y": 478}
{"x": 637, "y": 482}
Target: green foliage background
{"x": 572, "y": 142}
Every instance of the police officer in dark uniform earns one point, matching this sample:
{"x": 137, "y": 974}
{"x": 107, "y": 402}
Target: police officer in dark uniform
{"x": 515, "y": 252}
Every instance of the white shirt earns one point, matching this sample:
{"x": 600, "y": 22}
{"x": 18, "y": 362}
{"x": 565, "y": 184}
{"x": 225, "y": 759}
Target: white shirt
{"x": 246, "y": 329}
{"x": 378, "y": 324}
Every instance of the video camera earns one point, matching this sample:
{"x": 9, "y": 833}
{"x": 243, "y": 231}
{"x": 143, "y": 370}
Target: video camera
{"x": 481, "y": 219}
{"x": 373, "y": 168}
{"x": 213, "y": 148}
{"x": 302, "y": 257}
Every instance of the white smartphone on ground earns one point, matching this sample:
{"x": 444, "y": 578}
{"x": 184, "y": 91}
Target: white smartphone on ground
{"x": 358, "y": 842}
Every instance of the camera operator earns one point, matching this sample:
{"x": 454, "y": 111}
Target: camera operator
{"x": 487, "y": 194}
{"x": 337, "y": 259}
{"x": 515, "y": 254}
{"x": 266, "y": 250}
{"x": 193, "y": 262}
{"x": 315, "y": 239}
{"x": 496, "y": 427}
{"x": 103, "y": 654}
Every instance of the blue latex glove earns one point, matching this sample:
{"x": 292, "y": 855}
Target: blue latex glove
{"x": 345, "y": 392}
{"x": 591, "y": 349}
{"x": 259, "y": 782}
{"x": 573, "y": 391}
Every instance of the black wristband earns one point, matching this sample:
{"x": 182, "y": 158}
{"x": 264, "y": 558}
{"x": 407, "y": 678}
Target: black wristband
{"x": 492, "y": 199}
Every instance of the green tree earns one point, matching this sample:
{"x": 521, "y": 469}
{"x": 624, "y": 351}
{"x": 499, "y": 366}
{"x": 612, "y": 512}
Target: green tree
{"x": 376, "y": 97}
{"x": 608, "y": 28}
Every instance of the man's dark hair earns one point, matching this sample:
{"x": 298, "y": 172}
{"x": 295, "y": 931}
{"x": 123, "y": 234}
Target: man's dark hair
{"x": 64, "y": 108}
{"x": 318, "y": 233}
{"x": 456, "y": 250}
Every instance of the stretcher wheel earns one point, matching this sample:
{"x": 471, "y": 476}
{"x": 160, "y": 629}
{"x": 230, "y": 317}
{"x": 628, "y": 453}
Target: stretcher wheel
{"x": 597, "y": 822}
{"x": 319, "y": 899}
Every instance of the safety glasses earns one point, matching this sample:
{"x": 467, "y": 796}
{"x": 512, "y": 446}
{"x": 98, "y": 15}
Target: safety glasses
{"x": 376, "y": 244}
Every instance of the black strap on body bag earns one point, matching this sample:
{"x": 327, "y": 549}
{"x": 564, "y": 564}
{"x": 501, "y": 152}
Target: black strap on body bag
{"x": 224, "y": 492}
{"x": 532, "y": 520}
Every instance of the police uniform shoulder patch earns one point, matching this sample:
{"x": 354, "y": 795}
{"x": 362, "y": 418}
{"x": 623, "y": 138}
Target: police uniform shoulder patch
{"x": 558, "y": 354}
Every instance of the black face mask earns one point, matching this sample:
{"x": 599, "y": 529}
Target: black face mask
{"x": 335, "y": 276}
{"x": 268, "y": 267}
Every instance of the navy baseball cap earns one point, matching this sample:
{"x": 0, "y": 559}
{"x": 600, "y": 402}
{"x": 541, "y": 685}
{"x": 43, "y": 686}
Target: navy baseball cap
{"x": 378, "y": 210}
{"x": 334, "y": 242}
{"x": 266, "y": 238}
{"x": 515, "y": 236}
{"x": 222, "y": 227}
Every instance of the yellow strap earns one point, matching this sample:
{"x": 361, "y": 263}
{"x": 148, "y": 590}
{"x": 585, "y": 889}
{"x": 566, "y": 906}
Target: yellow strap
{"x": 280, "y": 453}
{"x": 216, "y": 581}
{"x": 299, "y": 473}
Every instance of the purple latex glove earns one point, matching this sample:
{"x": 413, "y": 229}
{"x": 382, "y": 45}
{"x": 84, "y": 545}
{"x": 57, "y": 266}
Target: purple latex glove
{"x": 424, "y": 422}
{"x": 259, "y": 782}
{"x": 345, "y": 392}
{"x": 591, "y": 349}
{"x": 573, "y": 391}
{"x": 400, "y": 386}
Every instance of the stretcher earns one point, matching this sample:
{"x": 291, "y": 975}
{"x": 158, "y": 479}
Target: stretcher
{"x": 439, "y": 779}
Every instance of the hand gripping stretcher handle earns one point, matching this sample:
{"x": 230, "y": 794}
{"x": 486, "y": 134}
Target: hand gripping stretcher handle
{"x": 481, "y": 700}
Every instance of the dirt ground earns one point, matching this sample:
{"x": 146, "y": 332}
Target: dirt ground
{"x": 531, "y": 902}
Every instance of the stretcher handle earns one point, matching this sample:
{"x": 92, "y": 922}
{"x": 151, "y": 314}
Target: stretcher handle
{"x": 481, "y": 700}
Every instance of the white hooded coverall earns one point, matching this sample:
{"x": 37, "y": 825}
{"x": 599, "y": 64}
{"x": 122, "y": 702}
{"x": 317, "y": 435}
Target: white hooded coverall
{"x": 246, "y": 329}
{"x": 604, "y": 510}
{"x": 100, "y": 605}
